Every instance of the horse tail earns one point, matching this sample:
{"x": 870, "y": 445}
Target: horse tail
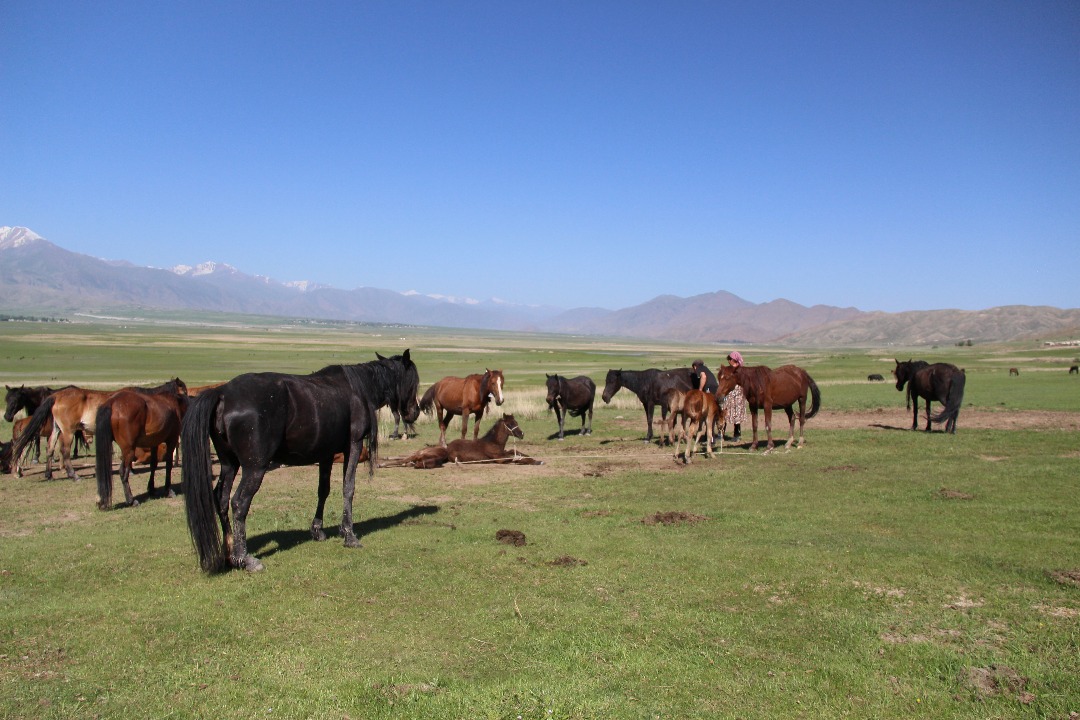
{"x": 37, "y": 420}
{"x": 427, "y": 403}
{"x": 373, "y": 438}
{"x": 815, "y": 398}
{"x": 198, "y": 477}
{"x": 953, "y": 400}
{"x": 104, "y": 454}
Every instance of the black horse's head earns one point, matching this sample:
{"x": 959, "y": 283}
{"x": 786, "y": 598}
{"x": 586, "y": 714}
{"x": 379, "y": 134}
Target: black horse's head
{"x": 553, "y": 390}
{"x": 15, "y": 399}
{"x": 403, "y": 392}
{"x": 902, "y": 373}
{"x": 612, "y": 384}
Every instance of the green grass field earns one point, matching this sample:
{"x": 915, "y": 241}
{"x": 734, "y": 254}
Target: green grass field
{"x": 876, "y": 572}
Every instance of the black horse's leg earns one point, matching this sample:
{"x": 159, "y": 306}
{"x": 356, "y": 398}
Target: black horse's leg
{"x": 222, "y": 491}
{"x": 348, "y": 488}
{"x": 927, "y": 414}
{"x": 559, "y": 418}
{"x": 250, "y": 481}
{"x": 649, "y": 418}
{"x": 317, "y": 532}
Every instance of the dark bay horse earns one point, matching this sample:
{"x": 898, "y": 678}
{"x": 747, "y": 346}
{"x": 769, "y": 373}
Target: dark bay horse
{"x": 465, "y": 396}
{"x": 765, "y": 389}
{"x": 491, "y": 448}
{"x": 571, "y": 396}
{"x": 942, "y": 382}
{"x": 138, "y": 420}
{"x": 73, "y": 410}
{"x": 259, "y": 421}
{"x": 649, "y": 385}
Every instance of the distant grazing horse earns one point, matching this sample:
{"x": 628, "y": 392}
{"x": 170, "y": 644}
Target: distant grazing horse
{"x": 701, "y": 411}
{"x": 649, "y": 385}
{"x": 258, "y": 421}
{"x": 874, "y": 377}
{"x": 135, "y": 420}
{"x": 1014, "y": 371}
{"x": 766, "y": 389}
{"x": 465, "y": 396}
{"x": 1073, "y": 370}
{"x": 942, "y": 382}
{"x": 571, "y": 396}
{"x": 72, "y": 410}
{"x": 491, "y": 448}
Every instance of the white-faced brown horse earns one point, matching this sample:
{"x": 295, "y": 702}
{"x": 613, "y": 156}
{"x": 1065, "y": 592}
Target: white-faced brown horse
{"x": 649, "y": 385}
{"x": 942, "y": 382}
{"x": 491, "y": 448}
{"x": 73, "y": 410}
{"x": 766, "y": 388}
{"x": 465, "y": 396}
{"x": 571, "y": 396}
{"x": 258, "y": 421}
{"x": 135, "y": 420}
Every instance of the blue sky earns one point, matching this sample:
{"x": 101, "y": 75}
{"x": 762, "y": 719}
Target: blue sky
{"x": 887, "y": 156}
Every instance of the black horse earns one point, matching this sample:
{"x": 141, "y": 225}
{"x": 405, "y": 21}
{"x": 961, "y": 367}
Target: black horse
{"x": 875, "y": 377}
{"x": 942, "y": 382}
{"x": 571, "y": 396}
{"x": 259, "y": 421}
{"x": 649, "y": 385}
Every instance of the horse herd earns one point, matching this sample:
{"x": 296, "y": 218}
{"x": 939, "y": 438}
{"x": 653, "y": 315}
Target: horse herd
{"x": 259, "y": 421}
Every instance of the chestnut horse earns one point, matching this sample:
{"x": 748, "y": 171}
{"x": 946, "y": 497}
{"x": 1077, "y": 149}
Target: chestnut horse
{"x": 702, "y": 411}
{"x": 649, "y": 385}
{"x": 465, "y": 396}
{"x": 138, "y": 420}
{"x": 72, "y": 409}
{"x": 942, "y": 382}
{"x": 571, "y": 396}
{"x": 766, "y": 388}
{"x": 491, "y": 448}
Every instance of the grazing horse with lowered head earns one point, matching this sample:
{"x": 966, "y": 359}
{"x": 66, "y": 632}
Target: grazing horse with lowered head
{"x": 72, "y": 410}
{"x": 259, "y": 421}
{"x": 765, "y": 389}
{"x": 465, "y": 396}
{"x": 875, "y": 377}
{"x": 649, "y": 386}
{"x": 134, "y": 421}
{"x": 491, "y": 448}
{"x": 571, "y": 396}
{"x": 1074, "y": 369}
{"x": 942, "y": 382}
{"x": 1014, "y": 371}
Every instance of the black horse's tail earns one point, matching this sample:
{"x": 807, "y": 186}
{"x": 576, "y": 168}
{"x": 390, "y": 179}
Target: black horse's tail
{"x": 815, "y": 398}
{"x": 953, "y": 401}
{"x": 427, "y": 403}
{"x": 373, "y": 438}
{"x": 104, "y": 455}
{"x": 37, "y": 420}
{"x": 198, "y": 477}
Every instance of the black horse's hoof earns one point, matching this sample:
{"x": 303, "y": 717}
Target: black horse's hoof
{"x": 352, "y": 542}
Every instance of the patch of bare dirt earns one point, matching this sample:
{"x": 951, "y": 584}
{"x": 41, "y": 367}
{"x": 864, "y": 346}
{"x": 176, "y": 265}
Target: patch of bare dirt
{"x": 997, "y": 680}
{"x": 676, "y": 517}
{"x": 1066, "y": 577}
{"x": 511, "y": 537}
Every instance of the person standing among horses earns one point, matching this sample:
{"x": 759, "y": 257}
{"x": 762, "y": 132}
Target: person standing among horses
{"x": 735, "y": 402}
{"x": 704, "y": 379}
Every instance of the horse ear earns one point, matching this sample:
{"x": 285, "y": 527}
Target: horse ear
{"x": 405, "y": 355}
{"x": 378, "y": 356}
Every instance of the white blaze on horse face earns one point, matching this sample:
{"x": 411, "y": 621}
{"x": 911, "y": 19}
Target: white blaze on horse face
{"x": 498, "y": 394}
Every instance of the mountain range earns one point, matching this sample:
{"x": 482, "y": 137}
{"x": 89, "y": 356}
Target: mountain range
{"x": 38, "y": 276}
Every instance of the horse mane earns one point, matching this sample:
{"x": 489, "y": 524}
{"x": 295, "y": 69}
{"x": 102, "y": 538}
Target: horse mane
{"x": 753, "y": 380}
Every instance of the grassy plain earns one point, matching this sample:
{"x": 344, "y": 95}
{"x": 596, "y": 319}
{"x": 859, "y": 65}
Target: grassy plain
{"x": 876, "y": 572}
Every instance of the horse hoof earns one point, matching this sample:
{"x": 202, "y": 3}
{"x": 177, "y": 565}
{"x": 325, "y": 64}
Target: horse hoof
{"x": 170, "y": 494}
{"x": 318, "y": 535}
{"x": 352, "y": 542}
{"x": 133, "y": 503}
{"x": 251, "y": 564}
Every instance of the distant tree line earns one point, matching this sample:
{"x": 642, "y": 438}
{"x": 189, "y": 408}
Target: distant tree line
{"x": 29, "y": 318}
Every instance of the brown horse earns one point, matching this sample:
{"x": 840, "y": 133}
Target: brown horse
{"x": 766, "y": 388}
{"x": 463, "y": 396}
{"x": 17, "y": 429}
{"x": 71, "y": 409}
{"x": 489, "y": 449}
{"x": 702, "y": 411}
{"x": 1014, "y": 371}
{"x": 138, "y": 420}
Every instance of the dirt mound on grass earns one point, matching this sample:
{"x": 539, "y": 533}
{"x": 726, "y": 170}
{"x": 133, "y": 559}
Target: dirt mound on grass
{"x": 676, "y": 517}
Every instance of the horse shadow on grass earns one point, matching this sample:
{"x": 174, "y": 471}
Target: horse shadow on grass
{"x": 270, "y": 543}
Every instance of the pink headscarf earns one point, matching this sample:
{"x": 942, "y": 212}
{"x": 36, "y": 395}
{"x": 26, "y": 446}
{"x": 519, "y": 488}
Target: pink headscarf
{"x": 735, "y": 358}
